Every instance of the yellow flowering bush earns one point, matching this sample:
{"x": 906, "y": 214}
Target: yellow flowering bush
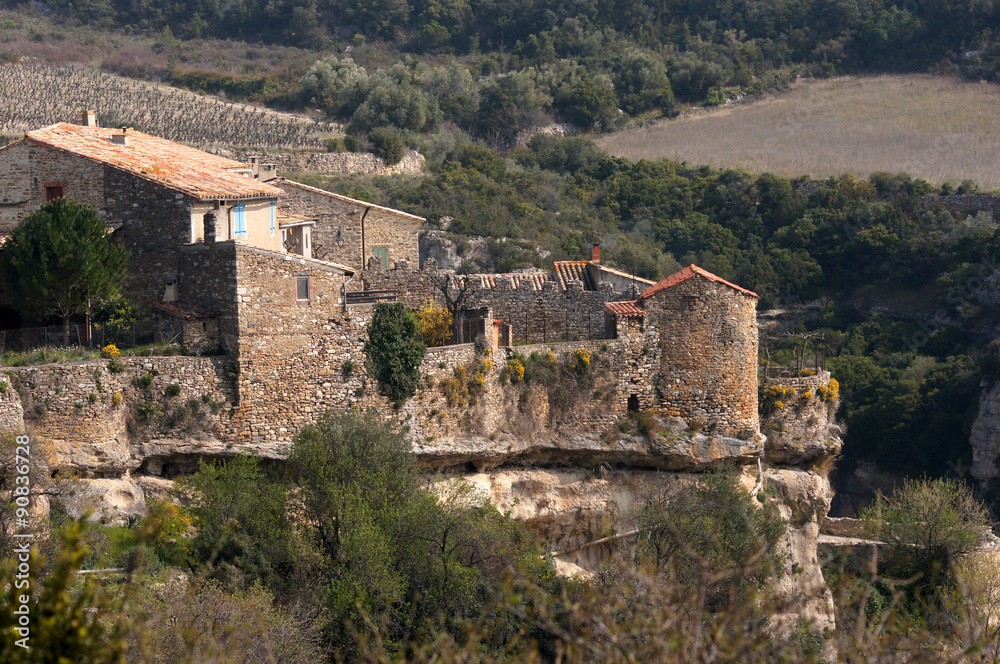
{"x": 515, "y": 370}
{"x": 773, "y": 398}
{"x": 578, "y": 360}
{"x": 110, "y": 352}
{"x": 830, "y": 391}
{"x": 435, "y": 324}
{"x": 116, "y": 399}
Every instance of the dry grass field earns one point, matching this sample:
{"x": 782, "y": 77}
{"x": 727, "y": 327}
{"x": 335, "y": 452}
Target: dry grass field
{"x": 937, "y": 128}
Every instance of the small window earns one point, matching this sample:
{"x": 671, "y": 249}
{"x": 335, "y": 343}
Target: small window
{"x": 52, "y": 192}
{"x": 302, "y": 286}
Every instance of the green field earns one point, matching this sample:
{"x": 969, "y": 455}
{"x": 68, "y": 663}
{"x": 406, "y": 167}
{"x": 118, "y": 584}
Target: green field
{"x": 934, "y": 127}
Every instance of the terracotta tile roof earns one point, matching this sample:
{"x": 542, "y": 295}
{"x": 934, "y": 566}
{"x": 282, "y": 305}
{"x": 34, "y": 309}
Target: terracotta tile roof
{"x": 534, "y": 281}
{"x": 175, "y": 166}
{"x": 567, "y": 270}
{"x": 627, "y": 309}
{"x": 187, "y": 310}
{"x": 685, "y": 274}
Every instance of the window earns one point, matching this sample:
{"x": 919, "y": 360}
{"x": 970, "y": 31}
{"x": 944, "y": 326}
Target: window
{"x": 272, "y": 218}
{"x": 53, "y": 191}
{"x": 382, "y": 253}
{"x": 239, "y": 221}
{"x": 302, "y": 286}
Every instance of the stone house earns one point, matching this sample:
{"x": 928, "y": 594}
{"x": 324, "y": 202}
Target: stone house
{"x": 155, "y": 192}
{"x": 350, "y": 231}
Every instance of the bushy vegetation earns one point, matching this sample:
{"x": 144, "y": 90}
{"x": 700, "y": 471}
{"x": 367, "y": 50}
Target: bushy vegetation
{"x": 393, "y": 351}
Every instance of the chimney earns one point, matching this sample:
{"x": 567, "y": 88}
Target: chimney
{"x": 209, "y": 221}
{"x": 88, "y": 119}
{"x": 120, "y": 139}
{"x": 595, "y": 253}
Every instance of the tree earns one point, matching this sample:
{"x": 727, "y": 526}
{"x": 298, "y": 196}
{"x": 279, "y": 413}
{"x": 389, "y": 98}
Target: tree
{"x": 397, "y": 559}
{"x": 928, "y": 526}
{"x": 243, "y": 527}
{"x": 59, "y": 259}
{"x": 457, "y": 291}
{"x": 393, "y": 351}
{"x": 719, "y": 542}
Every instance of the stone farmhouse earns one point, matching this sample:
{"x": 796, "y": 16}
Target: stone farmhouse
{"x": 262, "y": 271}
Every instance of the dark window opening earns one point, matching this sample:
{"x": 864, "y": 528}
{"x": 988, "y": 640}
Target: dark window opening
{"x": 52, "y": 192}
{"x": 302, "y": 288}
{"x": 633, "y": 403}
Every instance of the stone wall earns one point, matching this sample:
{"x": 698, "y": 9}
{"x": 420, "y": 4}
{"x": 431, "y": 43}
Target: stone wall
{"x": 802, "y": 428}
{"x": 207, "y": 276}
{"x": 536, "y": 309}
{"x": 97, "y": 419}
{"x": 708, "y": 355}
{"x": 334, "y": 162}
{"x": 11, "y": 412}
{"x": 384, "y": 227}
{"x": 985, "y": 435}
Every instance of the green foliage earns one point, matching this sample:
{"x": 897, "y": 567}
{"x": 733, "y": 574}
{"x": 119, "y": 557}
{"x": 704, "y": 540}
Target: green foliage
{"x": 242, "y": 522}
{"x": 65, "y": 623}
{"x": 714, "y": 537}
{"x": 393, "y": 352}
{"x": 58, "y": 259}
{"x": 398, "y": 559}
{"x": 928, "y": 525}
{"x": 114, "y": 316}
{"x": 387, "y": 143}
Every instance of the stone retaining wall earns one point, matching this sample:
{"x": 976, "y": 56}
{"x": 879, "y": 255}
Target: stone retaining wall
{"x": 334, "y": 162}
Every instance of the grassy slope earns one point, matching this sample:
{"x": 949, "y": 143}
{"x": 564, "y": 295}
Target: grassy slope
{"x": 937, "y": 128}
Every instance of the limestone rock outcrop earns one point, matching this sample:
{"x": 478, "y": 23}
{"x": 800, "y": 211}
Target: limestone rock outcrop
{"x": 985, "y": 435}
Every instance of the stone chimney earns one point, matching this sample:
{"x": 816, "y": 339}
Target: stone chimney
{"x": 209, "y": 221}
{"x": 88, "y": 119}
{"x": 595, "y": 253}
{"x": 122, "y": 138}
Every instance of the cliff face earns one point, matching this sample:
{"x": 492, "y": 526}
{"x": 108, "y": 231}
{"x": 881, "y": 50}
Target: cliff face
{"x": 553, "y": 454}
{"x": 985, "y": 435}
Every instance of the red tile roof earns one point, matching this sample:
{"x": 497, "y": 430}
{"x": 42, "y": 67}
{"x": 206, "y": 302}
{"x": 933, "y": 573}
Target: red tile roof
{"x": 175, "y": 166}
{"x": 567, "y": 270}
{"x": 187, "y": 310}
{"x": 627, "y": 309}
{"x": 687, "y": 273}
{"x": 534, "y": 281}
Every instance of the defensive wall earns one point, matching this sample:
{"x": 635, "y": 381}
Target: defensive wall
{"x": 535, "y": 305}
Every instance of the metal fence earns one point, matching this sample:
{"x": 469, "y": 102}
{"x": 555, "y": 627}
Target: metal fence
{"x": 93, "y": 337}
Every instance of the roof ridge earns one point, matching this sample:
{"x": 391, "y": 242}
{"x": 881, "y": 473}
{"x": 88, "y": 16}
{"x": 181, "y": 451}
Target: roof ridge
{"x": 688, "y": 272}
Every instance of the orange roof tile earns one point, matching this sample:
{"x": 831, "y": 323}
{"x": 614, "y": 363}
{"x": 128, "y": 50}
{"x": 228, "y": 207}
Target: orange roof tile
{"x": 627, "y": 309}
{"x": 534, "y": 281}
{"x": 567, "y": 270}
{"x": 685, "y": 274}
{"x": 175, "y": 166}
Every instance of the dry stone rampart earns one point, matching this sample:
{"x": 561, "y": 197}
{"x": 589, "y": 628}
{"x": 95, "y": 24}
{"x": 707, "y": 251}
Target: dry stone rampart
{"x": 11, "y": 412}
{"x": 412, "y": 162}
{"x": 801, "y": 429}
{"x": 537, "y": 309}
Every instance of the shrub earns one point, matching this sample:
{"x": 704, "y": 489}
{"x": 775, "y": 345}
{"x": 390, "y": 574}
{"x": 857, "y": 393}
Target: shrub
{"x": 150, "y": 410}
{"x": 772, "y": 398}
{"x": 830, "y": 391}
{"x": 435, "y": 324}
{"x": 393, "y": 352}
{"x": 347, "y": 368}
{"x": 515, "y": 370}
{"x": 110, "y": 352}
{"x": 387, "y": 144}
{"x": 578, "y": 360}
{"x": 145, "y": 381}
{"x": 116, "y": 399}
{"x": 173, "y": 390}
{"x": 927, "y": 526}
{"x": 116, "y": 366}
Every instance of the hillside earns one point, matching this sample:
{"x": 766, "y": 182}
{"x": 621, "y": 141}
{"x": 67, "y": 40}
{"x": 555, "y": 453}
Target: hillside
{"x": 937, "y": 128}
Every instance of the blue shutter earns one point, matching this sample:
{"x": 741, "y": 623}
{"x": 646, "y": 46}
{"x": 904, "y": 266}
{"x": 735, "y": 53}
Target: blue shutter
{"x": 272, "y": 218}
{"x": 241, "y": 221}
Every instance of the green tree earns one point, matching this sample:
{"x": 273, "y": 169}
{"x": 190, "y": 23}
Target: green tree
{"x": 59, "y": 259}
{"x": 393, "y": 351}
{"x": 64, "y": 624}
{"x": 398, "y": 560}
{"x": 715, "y": 537}
{"x": 242, "y": 522}
{"x": 928, "y": 525}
